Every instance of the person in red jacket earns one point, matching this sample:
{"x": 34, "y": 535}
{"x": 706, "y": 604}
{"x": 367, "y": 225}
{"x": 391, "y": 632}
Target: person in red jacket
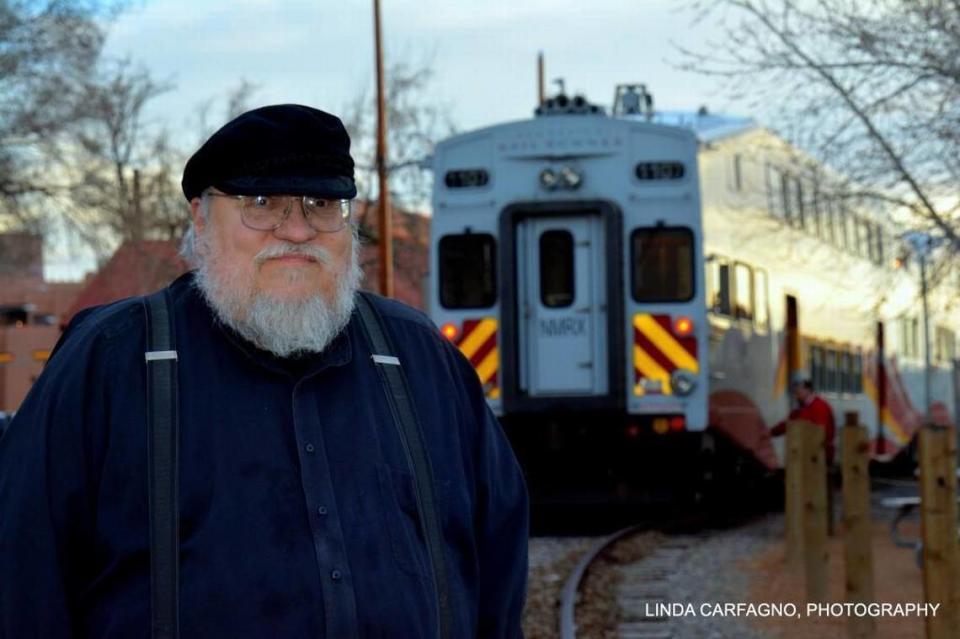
{"x": 814, "y": 409}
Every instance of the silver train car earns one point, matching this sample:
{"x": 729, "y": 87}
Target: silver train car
{"x": 622, "y": 284}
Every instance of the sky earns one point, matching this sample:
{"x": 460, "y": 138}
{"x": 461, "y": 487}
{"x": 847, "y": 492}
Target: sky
{"x": 483, "y": 55}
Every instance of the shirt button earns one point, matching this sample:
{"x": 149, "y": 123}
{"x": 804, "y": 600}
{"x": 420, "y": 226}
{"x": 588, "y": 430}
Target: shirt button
{"x": 310, "y": 448}
{"x": 336, "y": 575}
{"x": 322, "y": 510}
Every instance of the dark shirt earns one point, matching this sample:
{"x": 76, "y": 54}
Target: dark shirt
{"x": 297, "y": 507}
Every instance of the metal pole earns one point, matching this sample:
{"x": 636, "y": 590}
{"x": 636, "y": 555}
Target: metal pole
{"x": 926, "y": 333}
{"x": 540, "y": 89}
{"x": 386, "y": 223}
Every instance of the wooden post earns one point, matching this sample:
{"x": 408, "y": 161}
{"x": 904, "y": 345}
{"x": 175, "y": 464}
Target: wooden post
{"x": 857, "y": 538}
{"x": 815, "y": 555}
{"x": 938, "y": 509}
{"x": 793, "y": 484}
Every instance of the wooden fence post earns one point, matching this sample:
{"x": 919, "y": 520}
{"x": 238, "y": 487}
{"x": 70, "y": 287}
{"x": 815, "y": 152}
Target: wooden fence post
{"x": 793, "y": 484}
{"x": 815, "y": 554}
{"x": 938, "y": 508}
{"x": 857, "y": 534}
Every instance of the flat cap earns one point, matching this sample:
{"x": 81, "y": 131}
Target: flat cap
{"x": 273, "y": 150}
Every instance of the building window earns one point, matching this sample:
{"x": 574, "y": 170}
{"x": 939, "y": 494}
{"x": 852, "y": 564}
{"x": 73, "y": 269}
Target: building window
{"x": 831, "y": 373}
{"x": 467, "y": 271}
{"x": 737, "y": 168}
{"x": 662, "y": 259}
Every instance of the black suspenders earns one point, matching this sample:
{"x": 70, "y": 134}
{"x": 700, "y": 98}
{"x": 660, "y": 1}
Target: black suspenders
{"x": 162, "y": 439}
{"x": 411, "y": 436}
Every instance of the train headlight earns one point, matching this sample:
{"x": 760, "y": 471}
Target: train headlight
{"x": 571, "y": 178}
{"x": 549, "y": 179}
{"x": 683, "y": 382}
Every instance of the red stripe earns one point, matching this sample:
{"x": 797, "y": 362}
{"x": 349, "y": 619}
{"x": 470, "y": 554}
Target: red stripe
{"x": 688, "y": 343}
{"x": 641, "y": 340}
{"x": 481, "y": 353}
{"x": 468, "y": 326}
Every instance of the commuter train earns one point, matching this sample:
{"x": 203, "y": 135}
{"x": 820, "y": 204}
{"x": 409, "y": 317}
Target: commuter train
{"x": 637, "y": 289}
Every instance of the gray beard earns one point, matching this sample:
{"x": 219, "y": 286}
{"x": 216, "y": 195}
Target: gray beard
{"x": 286, "y": 328}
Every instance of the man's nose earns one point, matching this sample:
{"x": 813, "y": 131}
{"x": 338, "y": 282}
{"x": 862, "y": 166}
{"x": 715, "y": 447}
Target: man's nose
{"x": 295, "y": 227}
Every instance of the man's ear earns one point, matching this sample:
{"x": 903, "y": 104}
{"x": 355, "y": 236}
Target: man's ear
{"x": 198, "y": 222}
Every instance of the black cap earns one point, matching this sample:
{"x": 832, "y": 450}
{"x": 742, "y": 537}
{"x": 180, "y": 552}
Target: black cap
{"x": 279, "y": 149}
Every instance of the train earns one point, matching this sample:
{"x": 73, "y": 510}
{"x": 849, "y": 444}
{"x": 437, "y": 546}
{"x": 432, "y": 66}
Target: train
{"x": 637, "y": 290}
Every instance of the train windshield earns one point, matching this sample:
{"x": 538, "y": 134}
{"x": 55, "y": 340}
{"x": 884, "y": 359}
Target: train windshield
{"x": 662, "y": 259}
{"x": 467, "y": 265}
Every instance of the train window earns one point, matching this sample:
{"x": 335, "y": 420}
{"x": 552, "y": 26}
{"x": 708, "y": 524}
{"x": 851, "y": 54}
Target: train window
{"x": 718, "y": 286}
{"x": 467, "y": 271}
{"x": 828, "y": 219}
{"x": 798, "y": 192}
{"x": 556, "y": 268}
{"x": 742, "y": 292}
{"x": 817, "y": 371}
{"x": 846, "y": 372}
{"x": 831, "y": 377}
{"x": 760, "y": 297}
{"x": 785, "y": 196}
{"x": 662, "y": 259}
{"x": 857, "y": 372}
{"x": 945, "y": 346}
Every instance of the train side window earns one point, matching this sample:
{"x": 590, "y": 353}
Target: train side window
{"x": 718, "y": 286}
{"x": 742, "y": 291}
{"x": 846, "y": 372}
{"x": 662, "y": 259}
{"x": 761, "y": 315}
{"x": 816, "y": 368}
{"x": 467, "y": 270}
{"x": 556, "y": 268}
{"x": 857, "y": 371}
{"x": 830, "y": 370}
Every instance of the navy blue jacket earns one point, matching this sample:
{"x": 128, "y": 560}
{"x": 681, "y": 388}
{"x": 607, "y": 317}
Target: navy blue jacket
{"x": 297, "y": 508}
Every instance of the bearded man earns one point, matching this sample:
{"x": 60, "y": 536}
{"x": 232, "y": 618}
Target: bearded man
{"x": 299, "y": 504}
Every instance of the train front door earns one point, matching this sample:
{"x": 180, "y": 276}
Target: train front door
{"x": 561, "y": 306}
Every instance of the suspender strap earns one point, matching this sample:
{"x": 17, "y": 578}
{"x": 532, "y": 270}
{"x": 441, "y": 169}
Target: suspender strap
{"x": 161, "y": 360}
{"x": 411, "y": 436}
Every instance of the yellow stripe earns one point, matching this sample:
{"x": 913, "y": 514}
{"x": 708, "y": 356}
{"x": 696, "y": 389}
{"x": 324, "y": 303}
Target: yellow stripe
{"x": 41, "y": 356}
{"x": 888, "y": 422}
{"x": 488, "y": 366}
{"x": 494, "y": 393}
{"x": 478, "y": 337}
{"x": 650, "y": 369}
{"x": 666, "y": 342}
{"x": 6, "y": 358}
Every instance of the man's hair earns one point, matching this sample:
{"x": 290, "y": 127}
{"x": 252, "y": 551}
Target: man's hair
{"x": 188, "y": 245}
{"x": 806, "y": 383}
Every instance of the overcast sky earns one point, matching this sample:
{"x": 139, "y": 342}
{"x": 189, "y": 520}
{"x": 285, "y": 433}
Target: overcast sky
{"x": 483, "y": 54}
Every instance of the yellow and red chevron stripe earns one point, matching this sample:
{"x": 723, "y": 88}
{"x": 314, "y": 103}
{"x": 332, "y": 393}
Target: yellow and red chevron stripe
{"x": 657, "y": 352}
{"x": 478, "y": 343}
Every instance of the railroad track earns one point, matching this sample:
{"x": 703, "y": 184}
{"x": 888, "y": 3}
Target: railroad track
{"x": 643, "y": 585}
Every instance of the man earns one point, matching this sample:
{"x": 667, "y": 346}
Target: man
{"x": 298, "y": 512}
{"x": 814, "y": 409}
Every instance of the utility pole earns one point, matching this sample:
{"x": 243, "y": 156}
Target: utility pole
{"x": 386, "y": 223}
{"x": 540, "y": 88}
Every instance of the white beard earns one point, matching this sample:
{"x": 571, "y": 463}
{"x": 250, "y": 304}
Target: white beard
{"x": 286, "y": 328}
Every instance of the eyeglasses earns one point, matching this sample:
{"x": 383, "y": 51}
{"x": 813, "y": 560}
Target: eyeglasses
{"x": 269, "y": 212}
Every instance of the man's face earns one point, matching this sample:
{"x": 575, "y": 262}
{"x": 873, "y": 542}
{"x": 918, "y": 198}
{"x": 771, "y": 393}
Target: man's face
{"x": 288, "y": 264}
{"x": 288, "y": 291}
{"x": 801, "y": 392}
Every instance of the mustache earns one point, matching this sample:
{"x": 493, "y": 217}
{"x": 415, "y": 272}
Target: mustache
{"x": 315, "y": 253}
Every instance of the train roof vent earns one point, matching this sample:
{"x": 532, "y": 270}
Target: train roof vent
{"x": 561, "y": 104}
{"x": 633, "y": 99}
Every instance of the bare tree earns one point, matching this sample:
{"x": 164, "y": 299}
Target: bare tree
{"x": 48, "y": 51}
{"x": 869, "y": 87}
{"x": 121, "y": 167}
{"x": 415, "y": 125}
